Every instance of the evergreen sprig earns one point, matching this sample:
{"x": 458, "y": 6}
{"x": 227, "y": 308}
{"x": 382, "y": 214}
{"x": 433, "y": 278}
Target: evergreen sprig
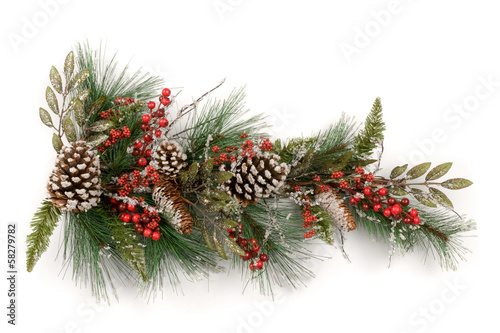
{"x": 372, "y": 134}
{"x": 43, "y": 225}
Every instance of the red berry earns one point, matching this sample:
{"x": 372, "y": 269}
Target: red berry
{"x": 138, "y": 144}
{"x": 259, "y": 264}
{"x": 122, "y": 207}
{"x": 407, "y": 220}
{"x": 165, "y": 92}
{"x": 247, "y": 256}
{"x": 165, "y": 101}
{"x": 161, "y": 113}
{"x": 405, "y": 202}
{"x": 360, "y": 186}
{"x": 145, "y": 127}
{"x": 264, "y": 257}
{"x": 413, "y": 212}
{"x": 136, "y": 152}
{"x": 377, "y": 207}
{"x": 230, "y": 230}
{"x": 155, "y": 236}
{"x": 365, "y": 206}
{"x": 387, "y": 212}
{"x": 396, "y": 209}
{"x": 376, "y": 199}
{"x": 146, "y": 118}
{"x": 353, "y": 201}
{"x": 367, "y": 191}
{"x": 382, "y": 191}
{"x": 243, "y": 242}
{"x": 114, "y": 209}
{"x": 256, "y": 248}
{"x": 113, "y": 201}
{"x": 135, "y": 218}
{"x": 125, "y": 217}
{"x": 143, "y": 161}
{"x": 148, "y": 152}
{"x": 253, "y": 241}
{"x": 391, "y": 201}
{"x": 416, "y": 220}
{"x": 147, "y": 138}
{"x": 151, "y": 105}
{"x": 147, "y": 232}
{"x": 163, "y": 122}
{"x": 251, "y": 266}
{"x": 139, "y": 228}
{"x": 158, "y": 133}
{"x": 131, "y": 208}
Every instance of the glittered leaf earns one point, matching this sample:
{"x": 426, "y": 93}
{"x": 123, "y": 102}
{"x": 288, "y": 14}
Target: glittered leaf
{"x": 418, "y": 170}
{"x": 335, "y": 167}
{"x": 345, "y": 157}
{"x": 188, "y": 177}
{"x": 69, "y": 129}
{"x": 55, "y": 79}
{"x": 223, "y": 176}
{"x": 51, "y": 98}
{"x": 69, "y": 65}
{"x": 456, "y": 183}
{"x": 77, "y": 80}
{"x": 83, "y": 95}
{"x": 235, "y": 248}
{"x": 56, "y": 142}
{"x": 96, "y": 140}
{"x": 397, "y": 191}
{"x": 363, "y": 163}
{"x": 79, "y": 112}
{"x": 440, "y": 197}
{"x": 219, "y": 247}
{"x": 227, "y": 223}
{"x": 101, "y": 125}
{"x": 45, "y": 117}
{"x": 97, "y": 105}
{"x": 206, "y": 169}
{"x": 422, "y": 198}
{"x": 398, "y": 171}
{"x": 438, "y": 172}
{"x": 207, "y": 237}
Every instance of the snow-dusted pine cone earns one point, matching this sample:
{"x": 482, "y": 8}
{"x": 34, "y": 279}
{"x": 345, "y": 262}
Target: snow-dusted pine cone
{"x": 256, "y": 177}
{"x": 168, "y": 199}
{"x": 333, "y": 203}
{"x": 168, "y": 158}
{"x": 74, "y": 185}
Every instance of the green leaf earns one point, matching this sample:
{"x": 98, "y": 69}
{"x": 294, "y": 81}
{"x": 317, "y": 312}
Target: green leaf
{"x": 219, "y": 247}
{"x": 422, "y": 198}
{"x": 101, "y": 125}
{"x": 233, "y": 246}
{"x": 438, "y": 171}
{"x": 51, "y": 98}
{"x": 456, "y": 183}
{"x": 69, "y": 65}
{"x": 79, "y": 112}
{"x": 363, "y": 163}
{"x": 96, "y": 140}
{"x": 398, "y": 171}
{"x": 97, "y": 105}
{"x": 77, "y": 80}
{"x": 397, "y": 191}
{"x": 418, "y": 170}
{"x": 207, "y": 237}
{"x": 55, "y": 79}
{"x": 56, "y": 142}
{"x": 223, "y": 176}
{"x": 206, "y": 169}
{"x": 69, "y": 129}
{"x": 440, "y": 197}
{"x": 45, "y": 117}
{"x": 227, "y": 223}
{"x": 42, "y": 225}
{"x": 188, "y": 177}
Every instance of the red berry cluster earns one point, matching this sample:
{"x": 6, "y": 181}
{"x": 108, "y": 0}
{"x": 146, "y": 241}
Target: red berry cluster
{"x": 114, "y": 136}
{"x": 243, "y": 135}
{"x": 309, "y": 219}
{"x": 152, "y": 123}
{"x": 124, "y": 101}
{"x": 247, "y": 148}
{"x": 266, "y": 145}
{"x": 316, "y": 178}
{"x": 337, "y": 174}
{"x": 251, "y": 248}
{"x": 146, "y": 223}
{"x": 108, "y": 114}
{"x": 134, "y": 180}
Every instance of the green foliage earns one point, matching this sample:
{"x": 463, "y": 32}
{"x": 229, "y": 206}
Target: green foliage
{"x": 373, "y": 133}
{"x": 43, "y": 224}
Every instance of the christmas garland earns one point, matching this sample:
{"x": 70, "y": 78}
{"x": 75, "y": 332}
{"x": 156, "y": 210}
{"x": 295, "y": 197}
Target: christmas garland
{"x": 146, "y": 189}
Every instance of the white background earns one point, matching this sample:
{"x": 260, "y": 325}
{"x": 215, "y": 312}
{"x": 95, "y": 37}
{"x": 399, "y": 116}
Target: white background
{"x": 423, "y": 59}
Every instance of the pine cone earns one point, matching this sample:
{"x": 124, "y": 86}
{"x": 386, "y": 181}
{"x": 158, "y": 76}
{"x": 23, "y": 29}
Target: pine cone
{"x": 74, "y": 185}
{"x": 168, "y": 158}
{"x": 333, "y": 203}
{"x": 168, "y": 199}
{"x": 256, "y": 177}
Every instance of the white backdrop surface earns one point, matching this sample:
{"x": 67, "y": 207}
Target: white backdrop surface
{"x": 434, "y": 64}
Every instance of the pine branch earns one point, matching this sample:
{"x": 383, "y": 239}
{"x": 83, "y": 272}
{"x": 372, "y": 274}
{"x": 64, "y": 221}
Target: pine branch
{"x": 43, "y": 225}
{"x": 373, "y": 133}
